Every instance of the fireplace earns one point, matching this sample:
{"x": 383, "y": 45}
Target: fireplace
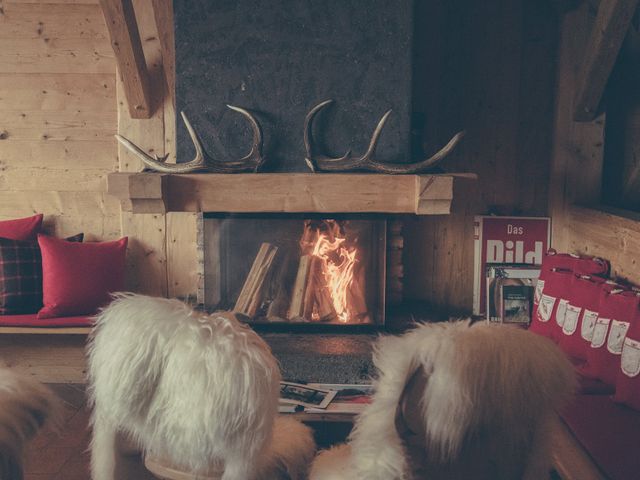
{"x": 295, "y": 270}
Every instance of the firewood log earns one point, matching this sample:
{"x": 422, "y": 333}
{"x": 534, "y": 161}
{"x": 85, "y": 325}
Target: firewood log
{"x": 280, "y": 297}
{"x": 296, "y": 308}
{"x": 250, "y": 297}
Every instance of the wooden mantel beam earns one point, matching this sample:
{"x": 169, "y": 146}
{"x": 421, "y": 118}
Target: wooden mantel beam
{"x": 125, "y": 40}
{"x": 286, "y": 192}
{"x": 610, "y": 28}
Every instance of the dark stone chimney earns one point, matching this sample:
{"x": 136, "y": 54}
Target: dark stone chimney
{"x": 279, "y": 58}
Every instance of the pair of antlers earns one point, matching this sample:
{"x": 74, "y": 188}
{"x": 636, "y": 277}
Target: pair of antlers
{"x": 203, "y": 161}
{"x": 254, "y": 160}
{"x": 320, "y": 162}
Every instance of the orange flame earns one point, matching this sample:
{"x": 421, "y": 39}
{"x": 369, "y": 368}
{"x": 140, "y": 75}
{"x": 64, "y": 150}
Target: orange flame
{"x": 338, "y": 262}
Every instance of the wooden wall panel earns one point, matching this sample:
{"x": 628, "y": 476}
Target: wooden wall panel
{"x": 182, "y": 255}
{"x": 58, "y": 116}
{"x": 580, "y": 224}
{"x": 487, "y": 67}
{"x": 147, "y": 266}
{"x": 43, "y": 21}
{"x": 576, "y": 161}
{"x": 62, "y": 92}
{"x": 611, "y": 234}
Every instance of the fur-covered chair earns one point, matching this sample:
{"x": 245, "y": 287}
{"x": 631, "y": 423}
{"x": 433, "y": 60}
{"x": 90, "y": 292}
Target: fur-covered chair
{"x": 199, "y": 392}
{"x": 456, "y": 401}
{"x": 25, "y": 406}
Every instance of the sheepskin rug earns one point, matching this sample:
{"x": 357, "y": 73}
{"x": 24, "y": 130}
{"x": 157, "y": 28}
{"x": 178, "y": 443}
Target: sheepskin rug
{"x": 25, "y": 405}
{"x": 491, "y": 395}
{"x": 200, "y": 391}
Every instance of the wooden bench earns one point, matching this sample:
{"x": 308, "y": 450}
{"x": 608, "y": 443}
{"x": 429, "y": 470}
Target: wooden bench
{"x": 45, "y": 330}
{"x": 570, "y": 460}
{"x": 50, "y": 354}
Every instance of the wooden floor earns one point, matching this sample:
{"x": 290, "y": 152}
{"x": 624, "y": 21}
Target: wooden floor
{"x": 65, "y": 455}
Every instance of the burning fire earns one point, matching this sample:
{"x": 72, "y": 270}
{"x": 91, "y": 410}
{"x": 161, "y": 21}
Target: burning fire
{"x": 326, "y": 243}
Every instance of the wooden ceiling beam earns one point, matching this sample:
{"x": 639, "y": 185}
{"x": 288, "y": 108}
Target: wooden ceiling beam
{"x": 163, "y": 13}
{"x": 125, "y": 40}
{"x": 609, "y": 30}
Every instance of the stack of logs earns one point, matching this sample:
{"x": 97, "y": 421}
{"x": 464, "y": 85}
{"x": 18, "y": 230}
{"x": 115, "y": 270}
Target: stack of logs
{"x": 265, "y": 292}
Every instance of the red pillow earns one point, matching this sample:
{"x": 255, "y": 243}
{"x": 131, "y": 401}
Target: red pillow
{"x": 581, "y": 315}
{"x": 628, "y": 380}
{"x": 553, "y": 300}
{"x": 77, "y": 278}
{"x": 23, "y": 229}
{"x": 553, "y": 262}
{"x": 615, "y": 312}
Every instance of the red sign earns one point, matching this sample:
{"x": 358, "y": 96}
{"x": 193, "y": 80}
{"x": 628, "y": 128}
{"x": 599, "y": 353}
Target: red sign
{"x": 506, "y": 240}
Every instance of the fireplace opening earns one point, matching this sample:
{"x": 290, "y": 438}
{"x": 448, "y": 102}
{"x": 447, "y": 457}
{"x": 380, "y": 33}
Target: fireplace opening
{"x": 295, "y": 270}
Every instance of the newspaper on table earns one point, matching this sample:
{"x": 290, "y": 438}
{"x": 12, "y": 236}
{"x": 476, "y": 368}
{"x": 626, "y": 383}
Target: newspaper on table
{"x": 305, "y": 395}
{"x": 343, "y": 398}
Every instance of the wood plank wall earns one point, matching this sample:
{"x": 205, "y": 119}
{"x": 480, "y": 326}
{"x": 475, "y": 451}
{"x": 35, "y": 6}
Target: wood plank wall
{"x": 487, "y": 67}
{"x": 57, "y": 116}
{"x": 581, "y": 223}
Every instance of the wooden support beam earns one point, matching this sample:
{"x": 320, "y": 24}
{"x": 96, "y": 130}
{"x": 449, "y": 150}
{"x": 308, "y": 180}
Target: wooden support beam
{"x": 607, "y": 35}
{"x": 125, "y": 40}
{"x": 163, "y": 13}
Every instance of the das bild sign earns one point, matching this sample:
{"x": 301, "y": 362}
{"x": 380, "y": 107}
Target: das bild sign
{"x": 506, "y": 240}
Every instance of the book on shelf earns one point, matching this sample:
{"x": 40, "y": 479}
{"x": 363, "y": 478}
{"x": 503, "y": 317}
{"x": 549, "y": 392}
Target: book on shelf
{"x": 506, "y": 240}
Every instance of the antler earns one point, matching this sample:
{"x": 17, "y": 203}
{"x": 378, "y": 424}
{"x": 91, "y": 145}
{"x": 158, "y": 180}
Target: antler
{"x": 203, "y": 161}
{"x": 320, "y": 162}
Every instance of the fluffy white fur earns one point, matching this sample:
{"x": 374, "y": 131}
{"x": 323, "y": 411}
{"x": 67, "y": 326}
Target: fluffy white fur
{"x": 195, "y": 389}
{"x": 25, "y": 405}
{"x": 491, "y": 395}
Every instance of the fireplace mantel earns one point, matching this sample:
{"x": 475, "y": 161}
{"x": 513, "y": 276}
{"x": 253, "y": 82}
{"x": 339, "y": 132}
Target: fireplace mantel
{"x": 286, "y": 192}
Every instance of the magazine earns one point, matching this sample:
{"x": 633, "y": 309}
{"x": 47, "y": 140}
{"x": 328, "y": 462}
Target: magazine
{"x": 506, "y": 240}
{"x": 343, "y": 399}
{"x": 349, "y": 398}
{"x": 305, "y": 395}
{"x": 509, "y": 293}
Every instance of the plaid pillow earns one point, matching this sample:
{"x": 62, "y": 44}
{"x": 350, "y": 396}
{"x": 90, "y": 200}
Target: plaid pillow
{"x": 20, "y": 277}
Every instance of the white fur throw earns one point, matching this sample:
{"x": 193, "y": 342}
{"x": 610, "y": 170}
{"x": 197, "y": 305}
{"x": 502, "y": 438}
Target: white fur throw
{"x": 495, "y": 385}
{"x": 198, "y": 390}
{"x": 25, "y": 405}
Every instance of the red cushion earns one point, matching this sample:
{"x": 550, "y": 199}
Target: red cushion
{"x": 22, "y": 228}
{"x": 578, "y": 264}
{"x": 615, "y": 312}
{"x": 628, "y": 379}
{"x": 581, "y": 315}
{"x": 31, "y": 320}
{"x": 552, "y": 304}
{"x": 593, "y": 386}
{"x": 77, "y": 278}
{"x": 609, "y": 432}
{"x": 20, "y": 277}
